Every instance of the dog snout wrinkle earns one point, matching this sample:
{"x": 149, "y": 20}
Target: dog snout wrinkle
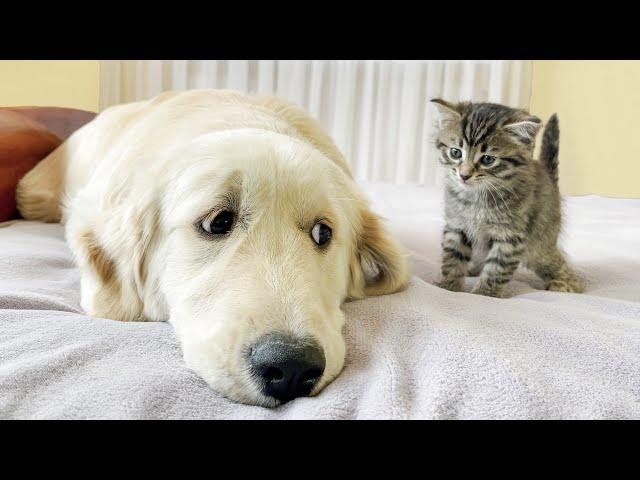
{"x": 287, "y": 367}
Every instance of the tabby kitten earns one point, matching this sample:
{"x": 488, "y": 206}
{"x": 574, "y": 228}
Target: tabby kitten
{"x": 502, "y": 207}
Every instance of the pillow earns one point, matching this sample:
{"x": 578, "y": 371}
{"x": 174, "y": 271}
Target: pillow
{"x": 27, "y": 135}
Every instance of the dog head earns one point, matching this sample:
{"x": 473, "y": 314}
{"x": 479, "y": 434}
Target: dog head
{"x": 255, "y": 242}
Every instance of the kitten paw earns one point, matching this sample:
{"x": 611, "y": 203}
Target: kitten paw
{"x": 453, "y": 285}
{"x": 565, "y": 286}
{"x": 475, "y": 270}
{"x": 487, "y": 291}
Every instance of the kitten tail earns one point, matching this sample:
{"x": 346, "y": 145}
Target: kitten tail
{"x": 550, "y": 146}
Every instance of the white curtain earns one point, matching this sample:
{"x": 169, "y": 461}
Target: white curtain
{"x": 377, "y": 111}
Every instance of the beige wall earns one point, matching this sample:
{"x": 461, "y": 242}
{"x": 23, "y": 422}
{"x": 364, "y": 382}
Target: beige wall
{"x": 59, "y": 83}
{"x": 598, "y": 104}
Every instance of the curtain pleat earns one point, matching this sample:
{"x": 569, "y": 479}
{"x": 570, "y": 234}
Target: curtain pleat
{"x": 377, "y": 112}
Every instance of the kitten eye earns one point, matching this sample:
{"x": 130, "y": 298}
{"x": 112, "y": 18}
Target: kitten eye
{"x": 487, "y": 160}
{"x": 455, "y": 153}
{"x": 321, "y": 233}
{"x": 218, "y": 225}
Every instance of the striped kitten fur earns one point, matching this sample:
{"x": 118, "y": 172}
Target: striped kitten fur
{"x": 502, "y": 207}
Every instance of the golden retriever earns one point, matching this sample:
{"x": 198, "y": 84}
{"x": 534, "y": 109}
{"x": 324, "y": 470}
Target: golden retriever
{"x": 235, "y": 218}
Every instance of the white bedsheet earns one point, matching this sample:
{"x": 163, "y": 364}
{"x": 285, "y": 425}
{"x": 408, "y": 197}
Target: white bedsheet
{"x": 423, "y": 353}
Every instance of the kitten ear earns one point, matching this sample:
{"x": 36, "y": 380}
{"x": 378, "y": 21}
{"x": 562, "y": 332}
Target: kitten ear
{"x": 446, "y": 112}
{"x": 524, "y": 130}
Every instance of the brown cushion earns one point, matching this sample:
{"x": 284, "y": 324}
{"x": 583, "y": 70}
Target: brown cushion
{"x": 27, "y": 135}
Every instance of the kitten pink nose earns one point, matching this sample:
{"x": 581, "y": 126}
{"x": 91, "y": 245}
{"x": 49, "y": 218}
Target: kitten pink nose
{"x": 464, "y": 177}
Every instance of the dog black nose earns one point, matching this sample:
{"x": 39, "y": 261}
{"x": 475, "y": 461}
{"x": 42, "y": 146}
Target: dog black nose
{"x": 287, "y": 368}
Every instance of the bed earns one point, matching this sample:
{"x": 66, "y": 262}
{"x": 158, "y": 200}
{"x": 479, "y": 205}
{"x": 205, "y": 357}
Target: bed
{"x": 425, "y": 353}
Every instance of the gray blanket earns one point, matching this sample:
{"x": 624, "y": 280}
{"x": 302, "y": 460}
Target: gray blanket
{"x": 423, "y": 353}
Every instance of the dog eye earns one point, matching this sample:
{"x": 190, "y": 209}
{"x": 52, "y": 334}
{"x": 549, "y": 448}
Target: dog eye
{"x": 218, "y": 225}
{"x": 321, "y": 233}
{"x": 455, "y": 153}
{"x": 487, "y": 160}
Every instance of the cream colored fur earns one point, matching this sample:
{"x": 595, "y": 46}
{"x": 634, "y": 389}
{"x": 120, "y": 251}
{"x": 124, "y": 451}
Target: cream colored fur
{"x": 131, "y": 185}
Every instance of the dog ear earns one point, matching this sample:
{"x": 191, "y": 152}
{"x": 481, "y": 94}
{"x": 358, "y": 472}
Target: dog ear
{"x": 379, "y": 264}
{"x": 114, "y": 271}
